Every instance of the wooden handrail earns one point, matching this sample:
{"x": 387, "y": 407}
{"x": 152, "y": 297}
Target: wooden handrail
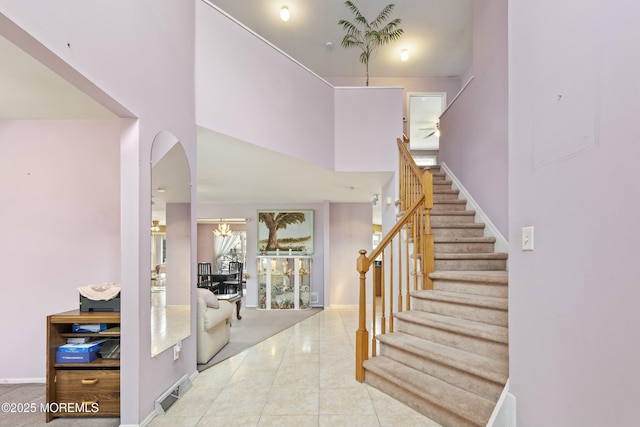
{"x": 404, "y": 153}
{"x": 394, "y": 231}
{"x": 411, "y": 270}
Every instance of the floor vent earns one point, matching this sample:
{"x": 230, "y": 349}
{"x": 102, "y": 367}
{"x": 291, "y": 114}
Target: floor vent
{"x": 171, "y": 396}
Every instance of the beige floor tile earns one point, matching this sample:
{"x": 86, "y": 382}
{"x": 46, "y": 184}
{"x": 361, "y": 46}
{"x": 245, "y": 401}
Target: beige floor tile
{"x": 173, "y": 421}
{"x": 195, "y": 405}
{"x": 292, "y": 401}
{"x": 246, "y": 403}
{"x": 304, "y": 376}
{"x": 345, "y": 400}
{"x": 406, "y": 421}
{"x": 228, "y": 420}
{"x": 348, "y": 421}
{"x": 288, "y": 421}
{"x": 297, "y": 377}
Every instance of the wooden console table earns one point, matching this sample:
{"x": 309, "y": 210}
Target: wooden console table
{"x": 89, "y": 389}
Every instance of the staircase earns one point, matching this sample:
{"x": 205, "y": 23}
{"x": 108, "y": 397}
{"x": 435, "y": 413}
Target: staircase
{"x": 448, "y": 357}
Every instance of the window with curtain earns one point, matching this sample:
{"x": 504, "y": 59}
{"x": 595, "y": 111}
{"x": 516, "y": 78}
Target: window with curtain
{"x": 229, "y": 248}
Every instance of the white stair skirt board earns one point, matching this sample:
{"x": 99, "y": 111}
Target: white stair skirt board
{"x": 504, "y": 414}
{"x": 490, "y": 230}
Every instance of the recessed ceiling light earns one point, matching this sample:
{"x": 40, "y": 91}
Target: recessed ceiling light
{"x": 285, "y": 14}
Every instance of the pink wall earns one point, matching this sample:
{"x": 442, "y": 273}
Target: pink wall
{"x": 574, "y": 104}
{"x": 351, "y": 230}
{"x": 60, "y": 226}
{"x": 147, "y": 66}
{"x": 450, "y": 85}
{"x": 251, "y": 91}
{"x": 367, "y": 123}
{"x": 206, "y": 251}
{"x": 474, "y": 128}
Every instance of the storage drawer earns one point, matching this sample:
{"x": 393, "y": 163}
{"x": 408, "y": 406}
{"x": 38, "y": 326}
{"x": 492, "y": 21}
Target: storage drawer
{"x": 88, "y": 392}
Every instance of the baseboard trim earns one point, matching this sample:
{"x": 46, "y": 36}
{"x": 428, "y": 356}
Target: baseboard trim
{"x": 490, "y": 230}
{"x": 504, "y": 413}
{"x": 23, "y": 380}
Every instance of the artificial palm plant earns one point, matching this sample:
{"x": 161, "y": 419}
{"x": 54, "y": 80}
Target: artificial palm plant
{"x": 369, "y": 35}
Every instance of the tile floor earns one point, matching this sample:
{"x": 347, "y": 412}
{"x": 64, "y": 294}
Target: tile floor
{"x": 303, "y": 376}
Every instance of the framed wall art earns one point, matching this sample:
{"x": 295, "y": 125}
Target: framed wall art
{"x": 285, "y": 231}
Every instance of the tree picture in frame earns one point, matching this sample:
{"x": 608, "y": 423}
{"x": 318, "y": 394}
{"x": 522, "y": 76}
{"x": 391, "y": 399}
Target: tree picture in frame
{"x": 285, "y": 231}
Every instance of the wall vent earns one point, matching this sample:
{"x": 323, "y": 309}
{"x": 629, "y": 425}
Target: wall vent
{"x": 171, "y": 396}
{"x": 314, "y": 297}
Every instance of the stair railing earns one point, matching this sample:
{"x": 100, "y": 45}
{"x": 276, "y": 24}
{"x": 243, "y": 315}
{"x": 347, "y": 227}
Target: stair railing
{"x": 406, "y": 255}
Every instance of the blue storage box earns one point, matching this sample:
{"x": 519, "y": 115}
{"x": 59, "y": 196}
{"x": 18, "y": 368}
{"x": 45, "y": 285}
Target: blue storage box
{"x": 81, "y": 348}
{"x": 88, "y": 328}
{"x": 76, "y": 356}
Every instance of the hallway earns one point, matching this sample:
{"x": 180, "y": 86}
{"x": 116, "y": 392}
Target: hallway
{"x": 303, "y": 376}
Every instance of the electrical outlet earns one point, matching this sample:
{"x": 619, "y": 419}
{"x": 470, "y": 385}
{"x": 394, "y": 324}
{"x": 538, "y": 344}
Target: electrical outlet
{"x": 176, "y": 350}
{"x": 527, "y": 238}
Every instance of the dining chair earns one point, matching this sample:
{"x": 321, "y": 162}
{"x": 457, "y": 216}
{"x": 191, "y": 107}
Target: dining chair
{"x": 204, "y": 275}
{"x": 234, "y": 285}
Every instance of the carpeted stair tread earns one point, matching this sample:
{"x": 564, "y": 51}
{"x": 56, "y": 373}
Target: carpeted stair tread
{"x": 472, "y": 255}
{"x": 453, "y": 213}
{"x": 459, "y": 225}
{"x": 495, "y": 303}
{"x": 499, "y": 334}
{"x": 481, "y": 366}
{"x": 464, "y": 404}
{"x": 442, "y": 191}
{"x": 493, "y": 277}
{"x": 459, "y": 202}
{"x": 453, "y": 239}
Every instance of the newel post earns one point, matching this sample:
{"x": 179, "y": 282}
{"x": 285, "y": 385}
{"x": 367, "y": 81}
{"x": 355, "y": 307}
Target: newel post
{"x": 362, "y": 335}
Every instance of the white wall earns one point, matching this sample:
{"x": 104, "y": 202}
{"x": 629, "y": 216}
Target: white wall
{"x": 60, "y": 227}
{"x": 574, "y": 103}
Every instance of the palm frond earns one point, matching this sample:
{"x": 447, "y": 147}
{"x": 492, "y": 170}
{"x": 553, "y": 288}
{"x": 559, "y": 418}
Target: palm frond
{"x": 367, "y": 35}
{"x": 383, "y": 15}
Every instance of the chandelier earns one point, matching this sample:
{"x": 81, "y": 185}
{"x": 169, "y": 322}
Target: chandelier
{"x": 155, "y": 226}
{"x": 223, "y": 230}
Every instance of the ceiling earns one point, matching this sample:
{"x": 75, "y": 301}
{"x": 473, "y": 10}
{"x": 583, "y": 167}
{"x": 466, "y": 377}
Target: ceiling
{"x": 436, "y": 32}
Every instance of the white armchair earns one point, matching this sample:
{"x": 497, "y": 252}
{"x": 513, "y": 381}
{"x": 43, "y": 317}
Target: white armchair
{"x": 214, "y": 325}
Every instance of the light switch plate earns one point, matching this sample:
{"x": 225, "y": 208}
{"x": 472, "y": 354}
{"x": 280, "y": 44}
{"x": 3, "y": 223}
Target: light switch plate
{"x": 527, "y": 238}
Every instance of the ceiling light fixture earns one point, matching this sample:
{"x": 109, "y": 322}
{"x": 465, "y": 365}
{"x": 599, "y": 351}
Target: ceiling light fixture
{"x": 404, "y": 54}
{"x": 155, "y": 226}
{"x": 223, "y": 230}
{"x": 285, "y": 14}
